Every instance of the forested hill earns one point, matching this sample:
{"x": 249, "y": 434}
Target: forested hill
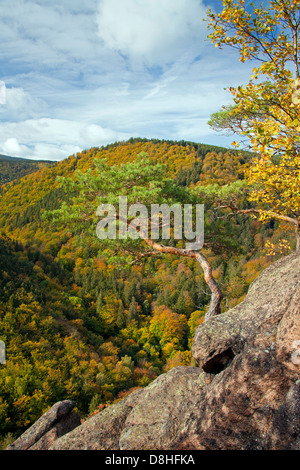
{"x": 77, "y": 325}
{"x": 12, "y": 168}
{"x": 22, "y": 201}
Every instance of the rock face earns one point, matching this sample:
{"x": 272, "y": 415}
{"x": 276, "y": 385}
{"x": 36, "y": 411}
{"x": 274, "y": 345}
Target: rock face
{"x": 57, "y": 421}
{"x": 245, "y": 394}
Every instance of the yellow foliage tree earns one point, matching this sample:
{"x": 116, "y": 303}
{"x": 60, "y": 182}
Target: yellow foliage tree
{"x": 266, "y": 110}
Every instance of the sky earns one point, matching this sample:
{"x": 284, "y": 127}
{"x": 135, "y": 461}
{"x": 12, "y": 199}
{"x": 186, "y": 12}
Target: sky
{"x": 78, "y": 74}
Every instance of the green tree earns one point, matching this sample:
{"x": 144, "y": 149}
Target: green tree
{"x": 142, "y": 182}
{"x": 121, "y": 318}
{"x": 133, "y": 311}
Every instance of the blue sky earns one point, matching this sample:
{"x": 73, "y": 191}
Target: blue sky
{"x": 79, "y": 74}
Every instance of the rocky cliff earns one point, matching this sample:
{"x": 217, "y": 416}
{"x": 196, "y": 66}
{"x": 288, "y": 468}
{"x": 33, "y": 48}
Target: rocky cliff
{"x": 244, "y": 394}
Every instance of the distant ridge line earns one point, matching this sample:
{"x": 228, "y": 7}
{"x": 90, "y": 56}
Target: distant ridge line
{"x": 20, "y": 159}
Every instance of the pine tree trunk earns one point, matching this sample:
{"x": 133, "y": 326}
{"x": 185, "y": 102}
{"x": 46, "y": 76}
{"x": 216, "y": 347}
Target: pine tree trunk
{"x": 216, "y": 293}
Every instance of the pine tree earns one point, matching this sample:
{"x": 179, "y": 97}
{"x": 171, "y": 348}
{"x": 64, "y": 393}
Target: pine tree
{"x": 143, "y": 182}
{"x": 121, "y": 318}
{"x": 132, "y": 312}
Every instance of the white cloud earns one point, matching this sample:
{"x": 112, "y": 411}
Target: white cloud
{"x": 82, "y": 74}
{"x": 2, "y": 92}
{"x": 39, "y": 35}
{"x": 153, "y": 31}
{"x": 52, "y": 139}
{"x": 12, "y": 147}
{"x": 19, "y": 104}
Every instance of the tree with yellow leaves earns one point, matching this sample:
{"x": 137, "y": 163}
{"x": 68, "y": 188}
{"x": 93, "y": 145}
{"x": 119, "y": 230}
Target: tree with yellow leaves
{"x": 266, "y": 110}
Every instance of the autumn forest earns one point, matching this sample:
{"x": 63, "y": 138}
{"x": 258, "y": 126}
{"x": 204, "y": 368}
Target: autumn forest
{"x": 91, "y": 320}
{"x": 82, "y": 324}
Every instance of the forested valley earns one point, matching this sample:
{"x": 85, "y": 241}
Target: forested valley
{"x": 80, "y": 324}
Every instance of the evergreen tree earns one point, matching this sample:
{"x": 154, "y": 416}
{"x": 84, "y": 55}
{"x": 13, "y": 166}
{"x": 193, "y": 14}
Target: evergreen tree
{"x": 132, "y": 312}
{"x": 143, "y": 182}
{"x": 121, "y": 318}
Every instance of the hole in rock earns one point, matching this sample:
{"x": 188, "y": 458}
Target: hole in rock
{"x": 219, "y": 362}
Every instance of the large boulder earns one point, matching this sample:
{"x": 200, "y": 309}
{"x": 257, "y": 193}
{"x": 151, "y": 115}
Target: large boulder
{"x": 252, "y": 352}
{"x": 57, "y": 421}
{"x": 267, "y": 317}
{"x": 244, "y": 394}
{"x": 147, "y": 419}
{"x": 101, "y": 431}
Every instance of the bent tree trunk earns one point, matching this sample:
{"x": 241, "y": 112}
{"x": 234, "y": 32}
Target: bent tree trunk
{"x": 216, "y": 293}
